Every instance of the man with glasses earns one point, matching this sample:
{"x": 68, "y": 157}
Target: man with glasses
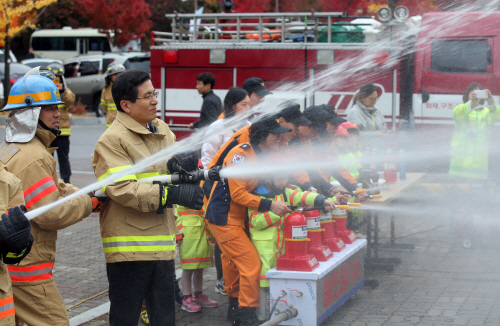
{"x": 137, "y": 222}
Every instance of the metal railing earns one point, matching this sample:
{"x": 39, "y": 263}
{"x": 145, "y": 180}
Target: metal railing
{"x": 233, "y": 27}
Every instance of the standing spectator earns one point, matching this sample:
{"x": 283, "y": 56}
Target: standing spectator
{"x": 30, "y": 54}
{"x": 212, "y": 105}
{"x": 107, "y": 103}
{"x": 470, "y": 143}
{"x": 137, "y": 229}
{"x": 368, "y": 118}
{"x": 62, "y": 140}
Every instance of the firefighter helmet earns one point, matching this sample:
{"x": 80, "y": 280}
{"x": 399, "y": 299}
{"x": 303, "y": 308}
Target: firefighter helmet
{"x": 56, "y": 68}
{"x": 45, "y": 72}
{"x": 115, "y": 68}
{"x": 33, "y": 90}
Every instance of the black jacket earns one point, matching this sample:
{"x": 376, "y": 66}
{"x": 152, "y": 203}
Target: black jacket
{"x": 210, "y": 110}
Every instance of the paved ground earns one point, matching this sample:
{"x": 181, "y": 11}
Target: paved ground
{"x": 438, "y": 283}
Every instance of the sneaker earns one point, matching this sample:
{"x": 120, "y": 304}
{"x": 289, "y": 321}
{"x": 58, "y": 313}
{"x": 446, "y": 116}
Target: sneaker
{"x": 144, "y": 317}
{"x": 189, "y": 305}
{"x": 178, "y": 294}
{"x": 204, "y": 302}
{"x": 219, "y": 287}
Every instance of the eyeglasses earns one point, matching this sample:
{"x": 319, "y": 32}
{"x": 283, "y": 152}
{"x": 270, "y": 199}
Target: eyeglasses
{"x": 149, "y": 96}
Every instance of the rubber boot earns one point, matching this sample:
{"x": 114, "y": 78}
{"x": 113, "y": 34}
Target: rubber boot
{"x": 248, "y": 316}
{"x": 232, "y": 309}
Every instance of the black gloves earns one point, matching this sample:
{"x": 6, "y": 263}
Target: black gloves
{"x": 97, "y": 201}
{"x": 187, "y": 161}
{"x": 187, "y": 195}
{"x": 15, "y": 230}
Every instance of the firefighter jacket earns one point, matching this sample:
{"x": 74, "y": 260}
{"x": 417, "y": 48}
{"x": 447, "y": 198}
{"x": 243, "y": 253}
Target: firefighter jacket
{"x": 230, "y": 198}
{"x": 266, "y": 228}
{"x": 11, "y": 194}
{"x": 131, "y": 229}
{"x": 64, "y": 121}
{"x": 196, "y": 250}
{"x": 471, "y": 138}
{"x": 34, "y": 165}
{"x": 369, "y": 120}
{"x": 108, "y": 105}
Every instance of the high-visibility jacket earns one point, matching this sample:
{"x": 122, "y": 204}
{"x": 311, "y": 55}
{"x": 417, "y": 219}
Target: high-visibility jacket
{"x": 11, "y": 194}
{"x": 131, "y": 229}
{"x": 230, "y": 198}
{"x": 34, "y": 165}
{"x": 196, "y": 250}
{"x": 470, "y": 142}
{"x": 64, "y": 121}
{"x": 266, "y": 228}
{"x": 108, "y": 105}
{"x": 351, "y": 161}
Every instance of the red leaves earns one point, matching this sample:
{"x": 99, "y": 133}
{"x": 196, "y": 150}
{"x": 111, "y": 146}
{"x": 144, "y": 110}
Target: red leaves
{"x": 127, "y": 19}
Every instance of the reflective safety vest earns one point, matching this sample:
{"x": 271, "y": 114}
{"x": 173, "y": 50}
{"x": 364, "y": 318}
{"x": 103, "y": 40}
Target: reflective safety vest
{"x": 33, "y": 273}
{"x": 139, "y": 243}
{"x": 108, "y": 105}
{"x": 470, "y": 143}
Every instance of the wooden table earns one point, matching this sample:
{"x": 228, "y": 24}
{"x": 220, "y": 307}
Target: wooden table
{"x": 389, "y": 193}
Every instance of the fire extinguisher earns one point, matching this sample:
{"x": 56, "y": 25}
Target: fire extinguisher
{"x": 390, "y": 167}
{"x": 296, "y": 257}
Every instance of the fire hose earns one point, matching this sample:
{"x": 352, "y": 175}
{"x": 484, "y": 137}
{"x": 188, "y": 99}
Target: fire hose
{"x": 281, "y": 317}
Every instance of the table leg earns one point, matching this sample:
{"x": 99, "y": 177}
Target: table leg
{"x": 392, "y": 244}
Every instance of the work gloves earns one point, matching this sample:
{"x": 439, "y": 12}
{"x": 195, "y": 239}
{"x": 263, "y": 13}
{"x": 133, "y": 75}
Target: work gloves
{"x": 188, "y": 195}
{"x": 97, "y": 201}
{"x": 15, "y": 230}
{"x": 187, "y": 161}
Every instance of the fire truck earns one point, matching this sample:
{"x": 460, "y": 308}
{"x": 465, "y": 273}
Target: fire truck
{"x": 421, "y": 65}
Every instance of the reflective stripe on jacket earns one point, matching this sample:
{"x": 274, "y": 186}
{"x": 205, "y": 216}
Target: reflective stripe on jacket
{"x": 108, "y": 105}
{"x": 32, "y": 273}
{"x": 470, "y": 142}
{"x": 34, "y": 165}
{"x": 130, "y": 227}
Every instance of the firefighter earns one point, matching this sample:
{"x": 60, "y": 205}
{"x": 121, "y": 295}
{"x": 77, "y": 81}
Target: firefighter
{"x": 31, "y": 128}
{"x": 62, "y": 140}
{"x": 256, "y": 90}
{"x": 137, "y": 224}
{"x": 240, "y": 260}
{"x": 266, "y": 228}
{"x": 107, "y": 103}
{"x": 15, "y": 232}
{"x": 470, "y": 142}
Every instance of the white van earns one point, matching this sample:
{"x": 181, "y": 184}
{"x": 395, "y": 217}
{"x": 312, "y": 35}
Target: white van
{"x": 66, "y": 43}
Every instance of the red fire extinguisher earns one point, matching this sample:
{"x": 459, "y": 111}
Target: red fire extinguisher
{"x": 296, "y": 257}
{"x": 328, "y": 237}
{"x": 314, "y": 230}
{"x": 390, "y": 167}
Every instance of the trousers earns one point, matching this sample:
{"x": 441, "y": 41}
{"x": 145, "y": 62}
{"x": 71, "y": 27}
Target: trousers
{"x": 62, "y": 144}
{"x": 132, "y": 282}
{"x": 241, "y": 264}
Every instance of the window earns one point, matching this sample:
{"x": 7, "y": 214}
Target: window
{"x": 88, "y": 68}
{"x": 465, "y": 56}
{"x": 138, "y": 63}
{"x": 105, "y": 64}
{"x": 70, "y": 69}
{"x": 53, "y": 43}
{"x": 99, "y": 44}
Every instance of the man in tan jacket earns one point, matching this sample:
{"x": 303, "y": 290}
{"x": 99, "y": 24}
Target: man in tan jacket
{"x": 34, "y": 100}
{"x": 138, "y": 233}
{"x": 62, "y": 141}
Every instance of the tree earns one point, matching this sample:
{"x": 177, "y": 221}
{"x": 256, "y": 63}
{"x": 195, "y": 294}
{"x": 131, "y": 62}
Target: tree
{"x": 16, "y": 16}
{"x": 125, "y": 19}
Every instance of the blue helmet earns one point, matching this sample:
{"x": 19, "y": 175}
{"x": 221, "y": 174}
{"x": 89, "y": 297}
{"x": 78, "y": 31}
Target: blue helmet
{"x": 33, "y": 90}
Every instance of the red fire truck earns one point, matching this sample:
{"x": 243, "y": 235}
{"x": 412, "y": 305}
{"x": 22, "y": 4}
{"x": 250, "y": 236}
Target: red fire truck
{"x": 422, "y": 66}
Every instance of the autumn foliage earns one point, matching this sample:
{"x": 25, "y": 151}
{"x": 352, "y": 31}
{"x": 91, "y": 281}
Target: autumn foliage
{"x": 126, "y": 19}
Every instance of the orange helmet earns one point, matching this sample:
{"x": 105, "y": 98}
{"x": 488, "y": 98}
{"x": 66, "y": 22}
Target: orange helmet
{"x": 349, "y": 125}
{"x": 342, "y": 131}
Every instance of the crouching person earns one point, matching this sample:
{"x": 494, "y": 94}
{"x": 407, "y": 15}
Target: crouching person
{"x": 137, "y": 222}
{"x": 266, "y": 228}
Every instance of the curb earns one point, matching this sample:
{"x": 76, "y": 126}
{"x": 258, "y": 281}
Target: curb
{"x": 76, "y": 121}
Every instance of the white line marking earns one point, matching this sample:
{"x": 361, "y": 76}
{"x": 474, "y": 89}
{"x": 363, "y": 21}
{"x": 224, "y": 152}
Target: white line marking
{"x": 90, "y": 314}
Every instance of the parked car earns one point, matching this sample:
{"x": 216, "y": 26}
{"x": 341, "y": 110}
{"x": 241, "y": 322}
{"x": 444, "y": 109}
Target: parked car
{"x": 17, "y": 70}
{"x": 12, "y": 56}
{"x": 85, "y": 74}
{"x": 40, "y": 62}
